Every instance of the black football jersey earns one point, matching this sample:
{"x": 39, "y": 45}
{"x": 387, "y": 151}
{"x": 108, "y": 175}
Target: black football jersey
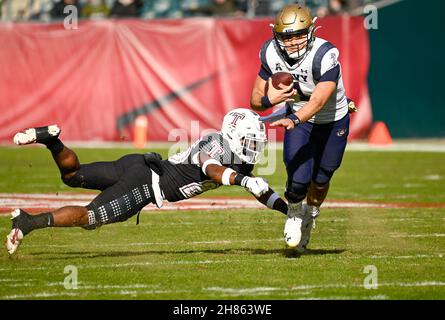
{"x": 183, "y": 177}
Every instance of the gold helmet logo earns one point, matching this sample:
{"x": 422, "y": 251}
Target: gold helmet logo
{"x": 293, "y": 21}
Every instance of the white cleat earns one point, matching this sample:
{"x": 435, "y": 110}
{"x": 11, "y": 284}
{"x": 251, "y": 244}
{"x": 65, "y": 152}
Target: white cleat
{"x": 15, "y": 236}
{"x": 306, "y": 227}
{"x": 292, "y": 227}
{"x": 13, "y": 240}
{"x": 25, "y": 137}
{"x": 292, "y": 231}
{"x": 36, "y": 135}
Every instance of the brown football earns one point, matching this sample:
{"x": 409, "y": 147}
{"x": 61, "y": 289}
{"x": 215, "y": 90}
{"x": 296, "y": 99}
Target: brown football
{"x": 280, "y": 77}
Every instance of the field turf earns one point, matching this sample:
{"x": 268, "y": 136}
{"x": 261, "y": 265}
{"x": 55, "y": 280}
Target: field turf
{"x": 240, "y": 254}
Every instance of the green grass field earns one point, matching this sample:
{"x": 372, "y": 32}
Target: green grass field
{"x": 240, "y": 254}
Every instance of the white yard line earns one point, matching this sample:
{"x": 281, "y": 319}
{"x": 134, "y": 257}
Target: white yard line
{"x": 193, "y": 262}
{"x": 417, "y": 256}
{"x": 43, "y": 294}
{"x": 426, "y": 235}
{"x": 148, "y": 244}
{"x": 137, "y": 264}
{"x": 221, "y": 291}
{"x": 398, "y": 146}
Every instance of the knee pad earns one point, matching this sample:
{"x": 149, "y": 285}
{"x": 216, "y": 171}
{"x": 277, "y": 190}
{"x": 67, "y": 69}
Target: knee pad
{"x": 323, "y": 176}
{"x": 296, "y": 192}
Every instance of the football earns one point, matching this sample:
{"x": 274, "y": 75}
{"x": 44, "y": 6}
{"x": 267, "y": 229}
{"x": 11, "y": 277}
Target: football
{"x": 280, "y": 77}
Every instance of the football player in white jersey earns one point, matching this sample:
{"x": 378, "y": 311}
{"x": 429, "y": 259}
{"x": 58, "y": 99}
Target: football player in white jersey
{"x": 130, "y": 183}
{"x": 315, "y": 114}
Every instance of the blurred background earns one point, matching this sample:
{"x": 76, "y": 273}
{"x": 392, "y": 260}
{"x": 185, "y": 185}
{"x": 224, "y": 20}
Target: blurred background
{"x": 47, "y": 10}
{"x": 100, "y": 66}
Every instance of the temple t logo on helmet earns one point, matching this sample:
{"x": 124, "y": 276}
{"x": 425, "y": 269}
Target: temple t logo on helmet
{"x": 235, "y": 115}
{"x": 294, "y": 31}
{"x": 245, "y": 133}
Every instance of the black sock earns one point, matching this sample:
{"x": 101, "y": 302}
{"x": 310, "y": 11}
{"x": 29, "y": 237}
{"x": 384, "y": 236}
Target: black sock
{"x": 43, "y": 220}
{"x": 281, "y": 206}
{"x": 55, "y": 146}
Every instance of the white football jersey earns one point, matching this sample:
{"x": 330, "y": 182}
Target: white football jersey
{"x": 322, "y": 57}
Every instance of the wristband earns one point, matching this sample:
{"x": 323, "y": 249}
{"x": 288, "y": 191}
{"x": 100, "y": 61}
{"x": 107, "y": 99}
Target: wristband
{"x": 209, "y": 161}
{"x": 265, "y": 102}
{"x": 270, "y": 202}
{"x": 294, "y": 118}
{"x": 225, "y": 179}
{"x": 241, "y": 180}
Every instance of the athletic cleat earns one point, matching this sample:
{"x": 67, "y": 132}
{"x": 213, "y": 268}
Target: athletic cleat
{"x": 37, "y": 135}
{"x": 13, "y": 240}
{"x": 20, "y": 227}
{"x": 307, "y": 225}
{"x": 292, "y": 227}
{"x": 292, "y": 231}
{"x": 306, "y": 228}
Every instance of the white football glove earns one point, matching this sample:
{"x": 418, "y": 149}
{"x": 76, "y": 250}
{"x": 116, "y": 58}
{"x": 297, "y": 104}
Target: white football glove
{"x": 256, "y": 186}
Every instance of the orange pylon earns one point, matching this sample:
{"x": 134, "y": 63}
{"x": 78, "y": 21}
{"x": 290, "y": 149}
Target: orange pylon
{"x": 140, "y": 132}
{"x": 379, "y": 134}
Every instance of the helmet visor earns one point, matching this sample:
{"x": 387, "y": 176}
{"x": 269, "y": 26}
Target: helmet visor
{"x": 294, "y": 43}
{"x": 252, "y": 148}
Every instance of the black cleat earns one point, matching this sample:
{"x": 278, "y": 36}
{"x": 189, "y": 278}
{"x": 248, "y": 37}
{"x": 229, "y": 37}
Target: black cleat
{"x": 37, "y": 135}
{"x": 21, "y": 225}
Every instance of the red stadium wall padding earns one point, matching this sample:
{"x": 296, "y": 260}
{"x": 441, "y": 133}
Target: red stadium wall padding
{"x": 95, "y": 81}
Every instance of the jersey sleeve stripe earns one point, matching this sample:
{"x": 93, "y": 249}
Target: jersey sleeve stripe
{"x": 264, "y": 74}
{"x": 331, "y": 75}
{"x": 263, "y": 56}
{"x": 318, "y": 57}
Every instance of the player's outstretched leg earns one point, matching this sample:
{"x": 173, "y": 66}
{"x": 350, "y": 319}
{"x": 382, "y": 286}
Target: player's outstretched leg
{"x": 23, "y": 223}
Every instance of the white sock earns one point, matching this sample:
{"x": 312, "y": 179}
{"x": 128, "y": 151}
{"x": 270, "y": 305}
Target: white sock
{"x": 313, "y": 210}
{"x": 295, "y": 208}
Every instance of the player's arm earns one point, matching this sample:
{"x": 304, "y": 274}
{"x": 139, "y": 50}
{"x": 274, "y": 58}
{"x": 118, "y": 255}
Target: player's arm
{"x": 273, "y": 201}
{"x": 322, "y": 92}
{"x": 269, "y": 198}
{"x": 326, "y": 86}
{"x": 227, "y": 176}
{"x": 261, "y": 101}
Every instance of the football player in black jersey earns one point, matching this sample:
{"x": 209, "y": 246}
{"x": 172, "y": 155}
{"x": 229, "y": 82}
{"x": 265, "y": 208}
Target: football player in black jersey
{"x": 130, "y": 183}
